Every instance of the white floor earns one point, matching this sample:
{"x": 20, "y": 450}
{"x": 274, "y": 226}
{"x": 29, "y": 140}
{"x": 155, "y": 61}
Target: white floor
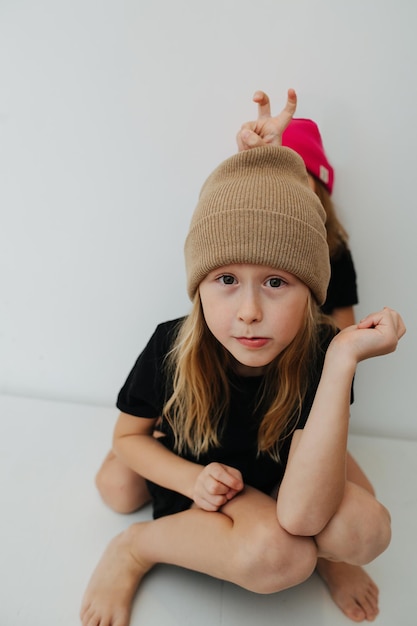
{"x": 53, "y": 528}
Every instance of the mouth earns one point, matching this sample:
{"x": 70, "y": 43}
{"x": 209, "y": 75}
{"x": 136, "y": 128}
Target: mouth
{"x": 253, "y": 342}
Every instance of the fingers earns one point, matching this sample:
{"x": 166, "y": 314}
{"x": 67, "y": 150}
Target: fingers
{"x": 370, "y": 321}
{"x": 264, "y": 105}
{"x": 266, "y": 130}
{"x": 375, "y": 335}
{"x": 284, "y": 118}
{"x": 383, "y": 318}
{"x": 396, "y": 321}
{"x": 216, "y": 485}
{"x": 291, "y": 105}
{"x": 225, "y": 477}
{"x": 248, "y": 139}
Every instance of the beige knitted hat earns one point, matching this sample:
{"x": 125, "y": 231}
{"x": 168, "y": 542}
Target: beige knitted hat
{"x": 257, "y": 207}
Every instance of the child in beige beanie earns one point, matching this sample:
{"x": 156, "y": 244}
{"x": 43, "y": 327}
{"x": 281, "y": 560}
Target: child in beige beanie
{"x": 250, "y": 393}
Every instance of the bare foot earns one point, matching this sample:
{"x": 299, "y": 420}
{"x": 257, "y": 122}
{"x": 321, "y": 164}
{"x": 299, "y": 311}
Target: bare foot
{"x": 109, "y": 595}
{"x": 351, "y": 588}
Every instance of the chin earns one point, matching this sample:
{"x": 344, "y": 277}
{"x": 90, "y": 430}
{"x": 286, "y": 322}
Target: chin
{"x": 250, "y": 367}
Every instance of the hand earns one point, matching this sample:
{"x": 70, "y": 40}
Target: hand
{"x": 215, "y": 485}
{"x": 375, "y": 335}
{"x": 266, "y": 130}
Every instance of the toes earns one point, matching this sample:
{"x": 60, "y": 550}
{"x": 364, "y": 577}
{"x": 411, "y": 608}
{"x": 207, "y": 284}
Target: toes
{"x": 363, "y": 608}
{"x": 89, "y": 617}
{"x": 355, "y": 613}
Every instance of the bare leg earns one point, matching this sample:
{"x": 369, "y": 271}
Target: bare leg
{"x": 243, "y": 544}
{"x": 351, "y": 588}
{"x": 122, "y": 489}
{"x": 109, "y": 596}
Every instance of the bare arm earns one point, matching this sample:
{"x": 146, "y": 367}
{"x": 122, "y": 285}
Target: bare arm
{"x": 315, "y": 477}
{"x": 344, "y": 317}
{"x": 209, "y": 487}
{"x": 314, "y": 480}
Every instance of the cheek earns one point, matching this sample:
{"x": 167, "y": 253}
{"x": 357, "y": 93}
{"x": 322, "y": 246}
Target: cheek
{"x": 292, "y": 318}
{"x": 217, "y": 318}
{"x": 215, "y": 326}
{"x": 210, "y": 313}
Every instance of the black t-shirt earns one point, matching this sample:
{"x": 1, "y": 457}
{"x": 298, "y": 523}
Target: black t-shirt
{"x": 342, "y": 290}
{"x": 147, "y": 388}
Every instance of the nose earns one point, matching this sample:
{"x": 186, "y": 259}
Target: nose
{"x": 249, "y": 309}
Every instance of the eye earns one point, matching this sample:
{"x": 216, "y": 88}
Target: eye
{"x": 275, "y": 282}
{"x": 227, "y": 279}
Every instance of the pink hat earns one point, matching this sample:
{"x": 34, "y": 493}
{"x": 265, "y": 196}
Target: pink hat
{"x": 303, "y": 136}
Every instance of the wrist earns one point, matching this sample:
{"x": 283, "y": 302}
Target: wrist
{"x": 339, "y": 360}
{"x": 193, "y": 472}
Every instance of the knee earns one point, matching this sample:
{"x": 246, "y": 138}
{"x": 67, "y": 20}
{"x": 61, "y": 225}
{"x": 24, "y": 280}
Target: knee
{"x": 111, "y": 490}
{"x": 272, "y": 560}
{"x": 373, "y": 536}
{"x": 119, "y": 487}
{"x": 377, "y": 533}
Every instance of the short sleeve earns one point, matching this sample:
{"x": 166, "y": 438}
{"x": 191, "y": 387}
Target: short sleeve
{"x": 145, "y": 391}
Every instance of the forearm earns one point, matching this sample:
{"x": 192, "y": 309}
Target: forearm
{"x": 315, "y": 477}
{"x": 149, "y": 458}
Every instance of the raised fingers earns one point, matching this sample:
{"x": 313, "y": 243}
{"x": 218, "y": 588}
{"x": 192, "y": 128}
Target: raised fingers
{"x": 287, "y": 113}
{"x": 264, "y": 105}
{"x": 291, "y": 104}
{"x": 266, "y": 130}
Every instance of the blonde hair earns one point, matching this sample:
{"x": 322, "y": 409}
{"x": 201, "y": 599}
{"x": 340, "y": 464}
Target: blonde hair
{"x": 337, "y": 236}
{"x": 198, "y": 364}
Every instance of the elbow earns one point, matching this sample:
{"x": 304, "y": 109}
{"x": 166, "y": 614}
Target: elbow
{"x": 301, "y": 523}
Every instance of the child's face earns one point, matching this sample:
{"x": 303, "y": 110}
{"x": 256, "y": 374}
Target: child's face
{"x": 254, "y": 311}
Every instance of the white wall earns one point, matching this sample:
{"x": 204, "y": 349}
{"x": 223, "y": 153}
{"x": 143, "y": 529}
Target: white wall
{"x": 113, "y": 113}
